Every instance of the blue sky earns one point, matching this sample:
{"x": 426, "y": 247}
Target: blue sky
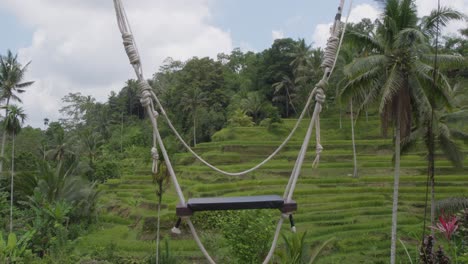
{"x": 75, "y": 46}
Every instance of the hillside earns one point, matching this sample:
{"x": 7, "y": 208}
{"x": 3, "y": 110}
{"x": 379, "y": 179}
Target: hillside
{"x": 331, "y": 203}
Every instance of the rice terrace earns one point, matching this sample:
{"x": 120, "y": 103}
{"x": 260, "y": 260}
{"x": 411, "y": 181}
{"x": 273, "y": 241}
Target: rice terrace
{"x": 137, "y": 132}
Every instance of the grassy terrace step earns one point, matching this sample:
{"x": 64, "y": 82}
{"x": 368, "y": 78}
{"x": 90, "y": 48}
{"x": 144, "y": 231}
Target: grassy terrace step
{"x": 330, "y": 202}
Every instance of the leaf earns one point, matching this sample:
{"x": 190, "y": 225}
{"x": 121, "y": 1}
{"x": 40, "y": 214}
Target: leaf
{"x": 319, "y": 249}
{"x": 11, "y": 242}
{"x": 2, "y": 243}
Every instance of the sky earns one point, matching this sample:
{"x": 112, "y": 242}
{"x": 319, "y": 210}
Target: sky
{"x": 75, "y": 45}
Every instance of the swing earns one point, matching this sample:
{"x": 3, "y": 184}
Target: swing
{"x": 285, "y": 204}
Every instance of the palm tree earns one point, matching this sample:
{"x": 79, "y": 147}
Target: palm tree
{"x": 11, "y": 83}
{"x": 306, "y": 69}
{"x": 253, "y": 105}
{"x": 439, "y": 132}
{"x": 396, "y": 72}
{"x": 12, "y": 125}
{"x": 285, "y": 91}
{"x": 91, "y": 142}
{"x": 193, "y": 99}
{"x": 60, "y": 148}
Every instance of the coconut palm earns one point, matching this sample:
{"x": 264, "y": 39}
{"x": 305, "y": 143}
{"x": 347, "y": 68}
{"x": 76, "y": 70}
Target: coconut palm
{"x": 254, "y": 104}
{"x": 11, "y": 83}
{"x": 193, "y": 99}
{"x": 285, "y": 91}
{"x": 396, "y": 72}
{"x": 12, "y": 125}
{"x": 439, "y": 131}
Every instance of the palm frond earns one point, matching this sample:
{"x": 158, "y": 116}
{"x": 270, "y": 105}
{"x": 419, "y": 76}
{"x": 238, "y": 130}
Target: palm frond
{"x": 363, "y": 41}
{"x": 449, "y": 147}
{"x": 409, "y": 37}
{"x": 445, "y": 61}
{"x": 24, "y": 85}
{"x": 391, "y": 87}
{"x": 442, "y": 16}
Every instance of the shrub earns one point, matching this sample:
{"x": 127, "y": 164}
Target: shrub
{"x": 106, "y": 169}
{"x": 240, "y": 119}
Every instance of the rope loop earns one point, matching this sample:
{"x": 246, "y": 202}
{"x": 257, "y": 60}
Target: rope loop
{"x": 155, "y": 114}
{"x": 130, "y": 48}
{"x": 155, "y": 156}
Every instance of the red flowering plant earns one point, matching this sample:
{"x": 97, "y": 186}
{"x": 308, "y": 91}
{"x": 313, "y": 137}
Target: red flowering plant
{"x": 447, "y": 225}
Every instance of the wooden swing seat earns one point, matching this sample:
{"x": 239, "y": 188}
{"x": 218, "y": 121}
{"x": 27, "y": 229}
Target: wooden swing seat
{"x": 235, "y": 203}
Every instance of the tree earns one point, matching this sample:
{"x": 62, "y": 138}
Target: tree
{"x": 254, "y": 104}
{"x": 77, "y": 105}
{"x": 395, "y": 70}
{"x": 60, "y": 147}
{"x": 11, "y": 83}
{"x": 91, "y": 142}
{"x": 162, "y": 179}
{"x": 192, "y": 100}
{"x": 285, "y": 91}
{"x": 12, "y": 126}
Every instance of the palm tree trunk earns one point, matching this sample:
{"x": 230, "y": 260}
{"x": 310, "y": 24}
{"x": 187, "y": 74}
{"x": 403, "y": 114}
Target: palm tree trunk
{"x": 431, "y": 167}
{"x": 159, "y": 218}
{"x": 194, "y": 130}
{"x": 355, "y": 172}
{"x": 12, "y": 182}
{"x": 121, "y": 133}
{"x": 2, "y": 151}
{"x": 341, "y": 124}
{"x": 396, "y": 183}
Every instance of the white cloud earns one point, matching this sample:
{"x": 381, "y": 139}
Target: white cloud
{"x": 77, "y": 46}
{"x": 322, "y": 31}
{"x": 277, "y": 34}
{"x": 361, "y": 11}
{"x": 321, "y": 34}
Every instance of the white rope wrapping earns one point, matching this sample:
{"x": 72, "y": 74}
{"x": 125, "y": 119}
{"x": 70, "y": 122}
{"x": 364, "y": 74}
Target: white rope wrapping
{"x": 147, "y": 101}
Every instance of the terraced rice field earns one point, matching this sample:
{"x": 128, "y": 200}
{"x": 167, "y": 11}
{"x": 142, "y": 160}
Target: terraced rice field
{"x": 357, "y": 212}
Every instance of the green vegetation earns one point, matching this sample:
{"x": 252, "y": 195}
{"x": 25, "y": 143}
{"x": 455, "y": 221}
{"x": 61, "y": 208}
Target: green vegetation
{"x": 84, "y": 189}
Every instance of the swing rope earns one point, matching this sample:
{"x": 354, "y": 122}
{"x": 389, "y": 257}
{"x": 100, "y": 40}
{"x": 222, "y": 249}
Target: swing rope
{"x": 148, "y": 97}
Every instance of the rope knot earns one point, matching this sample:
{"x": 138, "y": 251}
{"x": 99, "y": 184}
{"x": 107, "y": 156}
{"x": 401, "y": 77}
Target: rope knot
{"x": 154, "y": 153}
{"x": 318, "y": 151}
{"x": 320, "y": 95}
{"x": 144, "y": 86}
{"x": 146, "y": 99}
{"x": 130, "y": 48}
